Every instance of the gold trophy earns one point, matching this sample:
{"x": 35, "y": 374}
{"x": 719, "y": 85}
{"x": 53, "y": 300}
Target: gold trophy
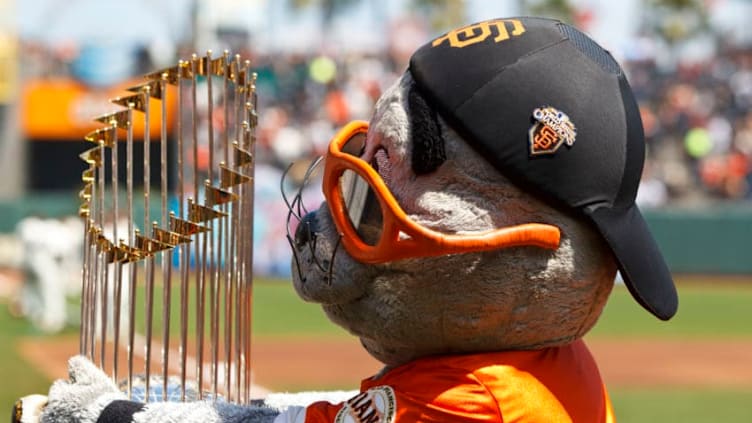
{"x": 167, "y": 269}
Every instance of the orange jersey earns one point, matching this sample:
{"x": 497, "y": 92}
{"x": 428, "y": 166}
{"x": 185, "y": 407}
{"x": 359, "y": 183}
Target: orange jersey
{"x": 559, "y": 384}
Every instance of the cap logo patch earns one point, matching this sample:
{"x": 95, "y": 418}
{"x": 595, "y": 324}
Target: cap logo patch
{"x": 479, "y": 32}
{"x": 552, "y": 128}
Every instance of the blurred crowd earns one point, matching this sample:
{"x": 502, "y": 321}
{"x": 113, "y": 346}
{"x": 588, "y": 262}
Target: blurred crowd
{"x": 697, "y": 117}
{"x": 697, "y": 114}
{"x": 698, "y": 127}
{"x": 303, "y": 101}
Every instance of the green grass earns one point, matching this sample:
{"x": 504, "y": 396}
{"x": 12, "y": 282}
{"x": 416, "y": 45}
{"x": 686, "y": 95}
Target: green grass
{"x": 278, "y": 311}
{"x": 718, "y": 310}
{"x": 18, "y": 376}
{"x": 678, "y": 405}
{"x": 705, "y": 310}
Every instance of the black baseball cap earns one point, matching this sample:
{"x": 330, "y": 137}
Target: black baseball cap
{"x": 553, "y": 111}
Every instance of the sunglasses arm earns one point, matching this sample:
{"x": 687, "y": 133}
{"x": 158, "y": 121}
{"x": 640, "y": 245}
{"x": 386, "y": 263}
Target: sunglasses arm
{"x": 407, "y": 239}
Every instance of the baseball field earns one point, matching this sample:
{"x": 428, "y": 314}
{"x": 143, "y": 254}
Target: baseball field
{"x": 695, "y": 368}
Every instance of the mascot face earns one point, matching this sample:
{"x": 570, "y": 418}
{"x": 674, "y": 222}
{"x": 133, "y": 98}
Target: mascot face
{"x": 440, "y": 300}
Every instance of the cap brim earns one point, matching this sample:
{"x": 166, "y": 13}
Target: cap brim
{"x": 640, "y": 261}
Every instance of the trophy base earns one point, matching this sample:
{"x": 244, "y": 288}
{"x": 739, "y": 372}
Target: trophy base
{"x": 174, "y": 391}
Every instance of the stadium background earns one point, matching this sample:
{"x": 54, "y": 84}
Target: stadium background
{"x": 322, "y": 63}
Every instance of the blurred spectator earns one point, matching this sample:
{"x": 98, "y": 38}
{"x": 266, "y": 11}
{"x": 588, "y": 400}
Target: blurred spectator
{"x": 698, "y": 125}
{"x": 51, "y": 265}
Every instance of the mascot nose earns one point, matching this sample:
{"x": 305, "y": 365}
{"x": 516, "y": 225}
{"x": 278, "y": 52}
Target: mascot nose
{"x": 306, "y": 229}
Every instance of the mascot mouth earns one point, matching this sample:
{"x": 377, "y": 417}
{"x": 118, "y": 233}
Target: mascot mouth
{"x": 321, "y": 289}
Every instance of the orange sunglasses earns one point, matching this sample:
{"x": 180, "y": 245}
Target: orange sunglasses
{"x": 374, "y": 227}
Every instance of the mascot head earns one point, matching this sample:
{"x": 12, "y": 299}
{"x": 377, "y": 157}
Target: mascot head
{"x": 488, "y": 203}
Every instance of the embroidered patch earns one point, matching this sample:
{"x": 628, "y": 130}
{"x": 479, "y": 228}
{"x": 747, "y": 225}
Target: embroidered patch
{"x": 552, "y": 128}
{"x": 376, "y": 405}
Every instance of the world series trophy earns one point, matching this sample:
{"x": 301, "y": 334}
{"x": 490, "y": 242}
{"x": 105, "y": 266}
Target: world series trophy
{"x": 167, "y": 261}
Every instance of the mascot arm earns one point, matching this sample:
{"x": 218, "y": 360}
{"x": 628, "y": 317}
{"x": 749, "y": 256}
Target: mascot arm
{"x": 90, "y": 396}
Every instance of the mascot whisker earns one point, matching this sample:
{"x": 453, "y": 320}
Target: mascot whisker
{"x": 304, "y": 233}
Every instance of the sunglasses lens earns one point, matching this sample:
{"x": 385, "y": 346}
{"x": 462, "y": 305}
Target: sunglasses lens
{"x": 361, "y": 203}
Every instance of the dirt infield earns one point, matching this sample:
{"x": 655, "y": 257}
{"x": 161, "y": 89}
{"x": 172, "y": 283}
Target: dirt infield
{"x": 288, "y": 364}
{"x": 634, "y": 363}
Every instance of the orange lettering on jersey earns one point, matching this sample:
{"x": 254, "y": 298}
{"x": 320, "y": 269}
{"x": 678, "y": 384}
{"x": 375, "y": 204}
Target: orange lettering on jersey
{"x": 376, "y": 405}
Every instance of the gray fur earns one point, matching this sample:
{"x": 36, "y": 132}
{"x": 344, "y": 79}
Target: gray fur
{"x": 515, "y": 298}
{"x": 81, "y": 398}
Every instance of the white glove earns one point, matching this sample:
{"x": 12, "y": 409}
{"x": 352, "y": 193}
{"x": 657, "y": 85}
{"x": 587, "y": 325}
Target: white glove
{"x": 28, "y": 409}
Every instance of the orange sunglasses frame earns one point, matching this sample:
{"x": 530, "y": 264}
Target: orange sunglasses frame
{"x": 420, "y": 241}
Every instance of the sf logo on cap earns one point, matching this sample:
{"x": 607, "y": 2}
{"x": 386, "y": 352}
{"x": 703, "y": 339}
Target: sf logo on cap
{"x": 476, "y": 33}
{"x": 551, "y": 129}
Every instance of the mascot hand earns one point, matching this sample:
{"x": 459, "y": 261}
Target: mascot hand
{"x": 28, "y": 409}
{"x": 81, "y": 398}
